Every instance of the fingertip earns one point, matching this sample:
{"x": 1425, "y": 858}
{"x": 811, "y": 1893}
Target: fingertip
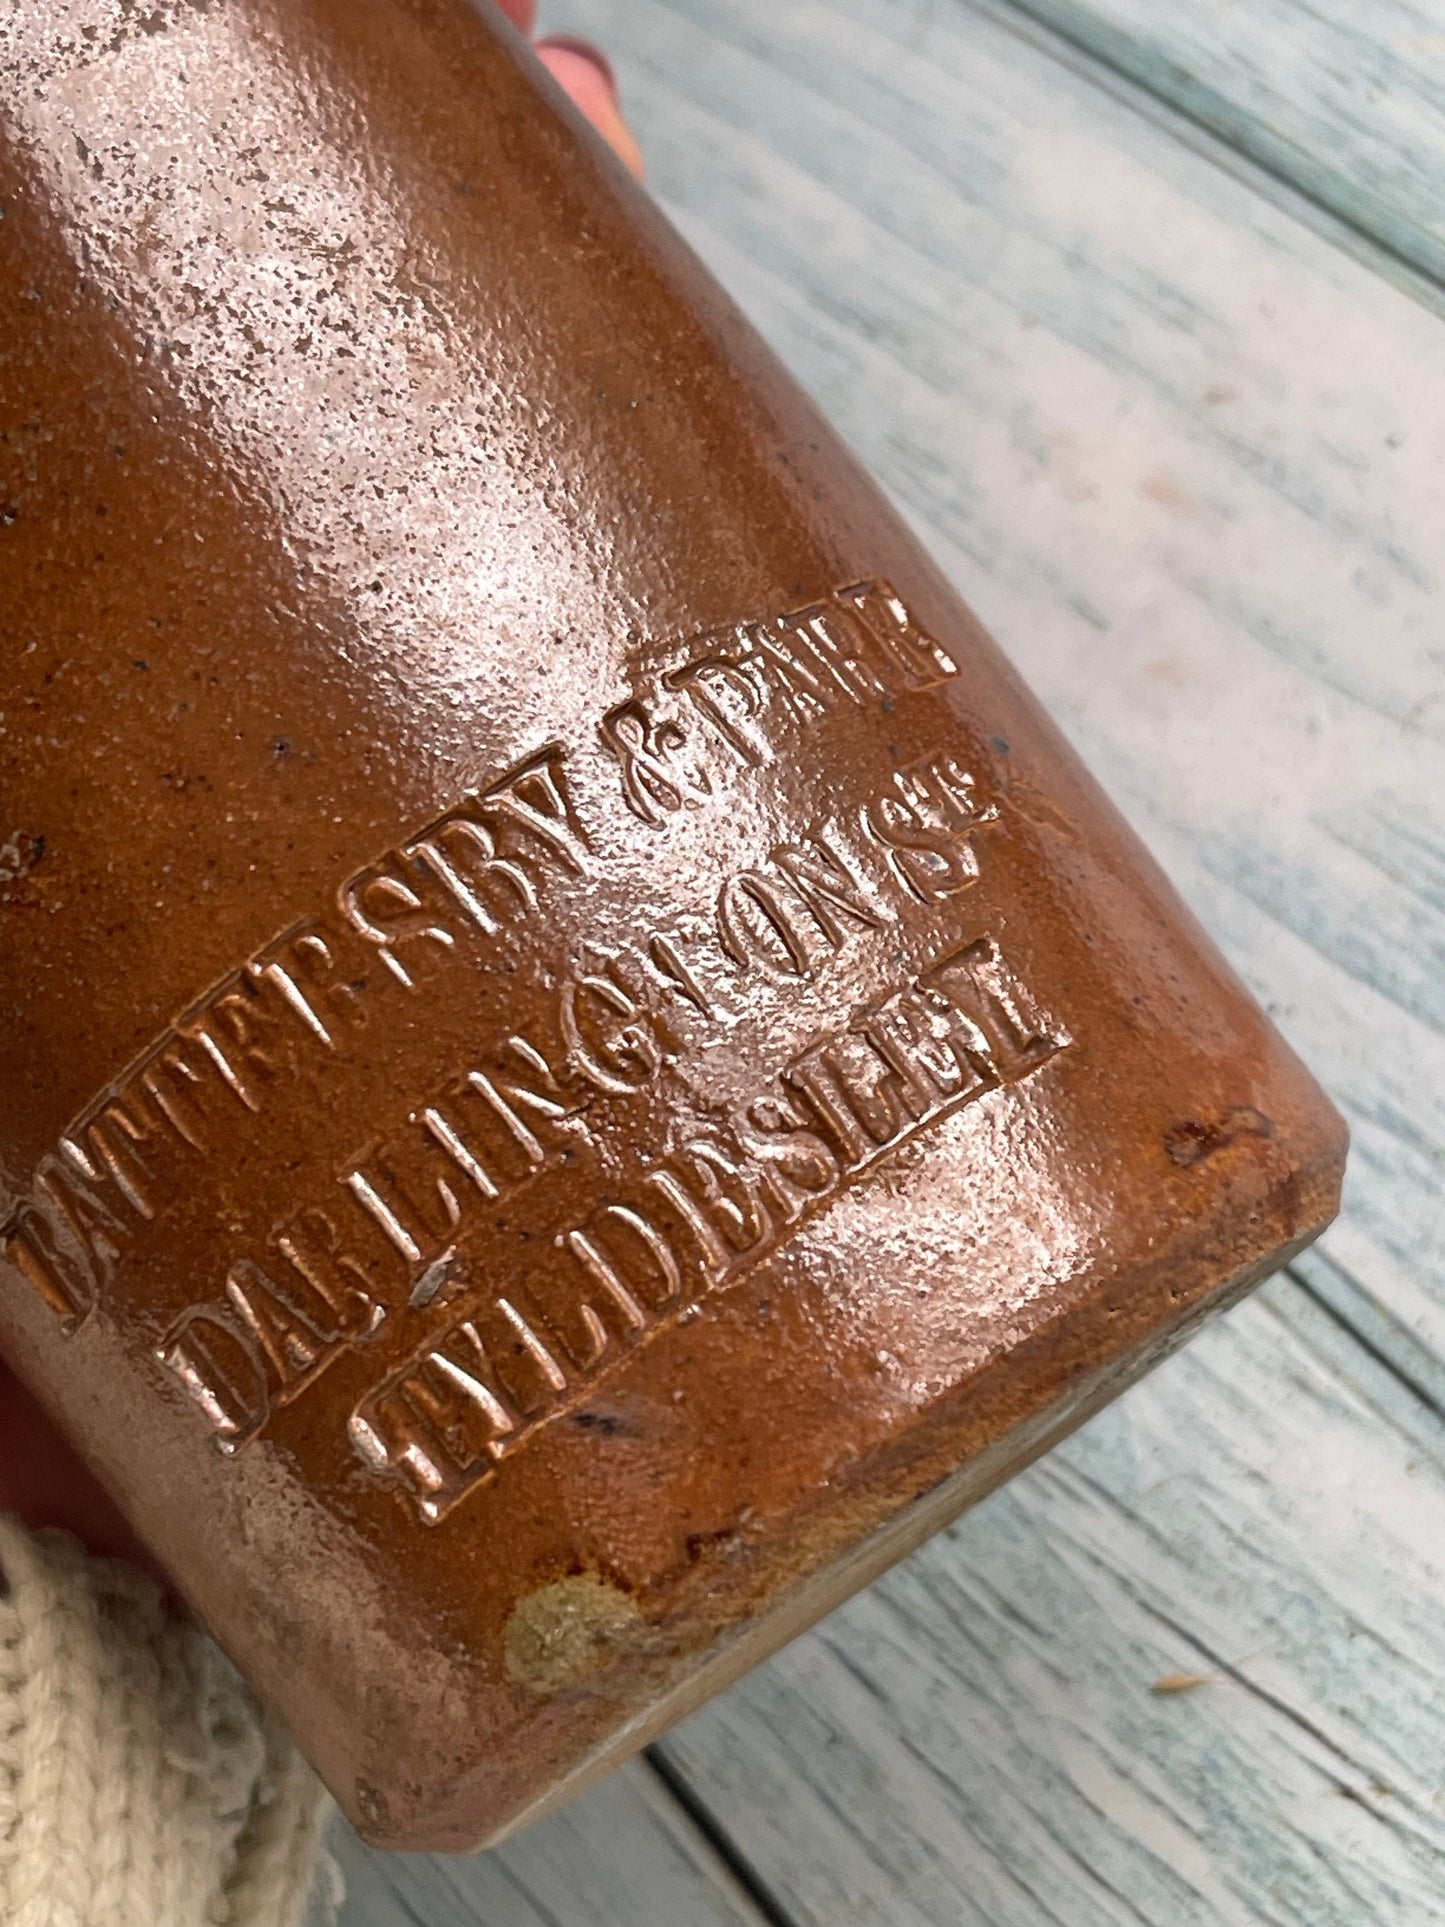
{"x": 521, "y": 13}
{"x": 588, "y": 50}
{"x": 586, "y": 76}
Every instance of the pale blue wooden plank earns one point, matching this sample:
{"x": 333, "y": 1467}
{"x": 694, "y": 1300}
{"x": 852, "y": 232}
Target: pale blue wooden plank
{"x": 976, "y": 1742}
{"x": 622, "y": 1855}
{"x": 1375, "y": 1327}
{"x": 1343, "y": 98}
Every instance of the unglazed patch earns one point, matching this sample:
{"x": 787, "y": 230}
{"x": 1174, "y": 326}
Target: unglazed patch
{"x": 569, "y": 1633}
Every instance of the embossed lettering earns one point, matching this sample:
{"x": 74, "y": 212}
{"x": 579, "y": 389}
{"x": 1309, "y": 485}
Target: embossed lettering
{"x": 656, "y": 778}
{"x": 610, "y": 1041}
{"x": 640, "y": 1253}
{"x": 835, "y": 896}
{"x": 761, "y": 926}
{"x": 413, "y": 1186}
{"x": 405, "y": 912}
{"x": 439, "y": 1422}
{"x": 113, "y": 1138}
{"x": 723, "y": 1200}
{"x": 977, "y": 986}
{"x": 88, "y": 1230}
{"x": 253, "y": 1035}
{"x": 31, "y": 1244}
{"x": 715, "y": 1208}
{"x": 480, "y": 866}
{"x": 522, "y": 1092}
{"x": 797, "y": 1165}
{"x": 294, "y": 1339}
{"x": 674, "y": 974}
{"x": 623, "y": 1253}
{"x": 740, "y": 687}
{"x": 311, "y": 1244}
{"x": 218, "y": 1362}
{"x": 534, "y": 802}
{"x": 926, "y": 826}
{"x": 178, "y": 1085}
{"x": 792, "y": 671}
{"x": 915, "y": 659}
{"x": 783, "y": 923}
{"x": 462, "y": 854}
{"x": 323, "y": 974}
{"x": 845, "y": 648}
{"x": 730, "y": 696}
{"x": 413, "y": 1246}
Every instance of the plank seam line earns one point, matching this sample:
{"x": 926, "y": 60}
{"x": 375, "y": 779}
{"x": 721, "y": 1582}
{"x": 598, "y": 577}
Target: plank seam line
{"x": 1004, "y": 1865}
{"x": 393, "y": 1881}
{"x": 1230, "y": 1670}
{"x": 905, "y": 1739}
{"x": 1400, "y": 1373}
{"x": 770, "y": 1909}
{"x": 525, "y": 1893}
{"x": 1226, "y": 1668}
{"x": 1036, "y": 28}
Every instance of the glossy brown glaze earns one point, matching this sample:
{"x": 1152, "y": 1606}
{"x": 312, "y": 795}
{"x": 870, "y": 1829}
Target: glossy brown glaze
{"x": 580, "y": 1064}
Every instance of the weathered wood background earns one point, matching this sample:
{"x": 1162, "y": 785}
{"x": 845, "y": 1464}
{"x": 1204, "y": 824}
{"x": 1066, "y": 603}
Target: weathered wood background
{"x": 1135, "y": 306}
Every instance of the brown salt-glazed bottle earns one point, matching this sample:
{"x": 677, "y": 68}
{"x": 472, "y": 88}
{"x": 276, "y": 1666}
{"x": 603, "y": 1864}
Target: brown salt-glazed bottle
{"x": 581, "y": 1066}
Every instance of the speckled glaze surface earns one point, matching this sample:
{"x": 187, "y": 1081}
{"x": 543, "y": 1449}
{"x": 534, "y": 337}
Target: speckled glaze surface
{"x": 579, "y": 1063}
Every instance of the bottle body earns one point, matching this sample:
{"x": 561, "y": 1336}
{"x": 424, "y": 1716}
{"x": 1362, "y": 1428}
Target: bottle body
{"x": 582, "y": 1064}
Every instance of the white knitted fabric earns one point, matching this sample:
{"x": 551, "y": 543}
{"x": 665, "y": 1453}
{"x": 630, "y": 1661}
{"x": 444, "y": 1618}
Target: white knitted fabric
{"x": 140, "y": 1786}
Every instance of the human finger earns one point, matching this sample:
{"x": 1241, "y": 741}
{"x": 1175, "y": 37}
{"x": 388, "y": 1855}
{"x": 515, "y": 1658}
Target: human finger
{"x": 586, "y": 74}
{"x": 521, "y": 13}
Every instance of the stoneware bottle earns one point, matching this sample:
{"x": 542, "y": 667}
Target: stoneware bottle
{"x": 579, "y": 1065}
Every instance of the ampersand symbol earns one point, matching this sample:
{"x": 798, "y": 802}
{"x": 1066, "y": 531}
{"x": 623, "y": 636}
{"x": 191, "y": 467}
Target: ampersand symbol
{"x": 653, "y": 779}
